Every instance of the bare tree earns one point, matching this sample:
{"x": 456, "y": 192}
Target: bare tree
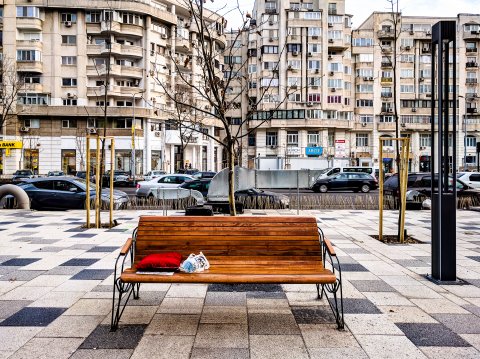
{"x": 214, "y": 90}
{"x": 11, "y": 84}
{"x": 80, "y": 144}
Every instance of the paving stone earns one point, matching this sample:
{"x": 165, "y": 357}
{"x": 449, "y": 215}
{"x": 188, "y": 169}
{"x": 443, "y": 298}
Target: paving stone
{"x": 387, "y": 298}
{"x": 399, "y": 314}
{"x": 102, "y": 353}
{"x": 372, "y": 286}
{"x": 125, "y": 337}
{"x": 225, "y": 298}
{"x": 221, "y": 336}
{"x": 136, "y": 315}
{"x": 431, "y": 335}
{"x": 10, "y": 307}
{"x": 21, "y": 275}
{"x": 272, "y": 323}
{"x": 93, "y": 274}
{"x": 49, "y": 249}
{"x": 46, "y": 348}
{"x": 220, "y": 353}
{"x": 449, "y": 352}
{"x": 187, "y": 291}
{"x": 268, "y": 305}
{"x": 147, "y": 298}
{"x": 389, "y": 347}
{"x": 12, "y": 338}
{"x": 90, "y": 307}
{"x": 460, "y": 323}
{"x": 358, "y": 306}
{"x": 337, "y": 353}
{"x": 19, "y": 262}
{"x": 173, "y": 324}
{"x": 164, "y": 347}
{"x": 71, "y": 326}
{"x": 58, "y": 299}
{"x": 277, "y": 346}
{"x": 81, "y": 262}
{"x": 473, "y": 309}
{"x": 84, "y": 235}
{"x": 224, "y": 314}
{"x": 439, "y": 306}
{"x": 266, "y": 295}
{"x": 371, "y": 324}
{"x": 245, "y": 288}
{"x": 64, "y": 270}
{"x": 352, "y": 267}
{"x": 181, "y": 306}
{"x": 33, "y": 317}
{"x": 103, "y": 249}
{"x": 326, "y": 336}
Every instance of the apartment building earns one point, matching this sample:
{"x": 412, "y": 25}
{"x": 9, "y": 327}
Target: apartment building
{"x": 332, "y": 87}
{"x": 300, "y": 67}
{"x": 373, "y": 57}
{"x": 90, "y": 61}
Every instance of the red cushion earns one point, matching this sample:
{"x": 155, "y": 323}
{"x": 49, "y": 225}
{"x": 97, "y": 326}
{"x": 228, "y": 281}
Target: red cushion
{"x": 160, "y": 260}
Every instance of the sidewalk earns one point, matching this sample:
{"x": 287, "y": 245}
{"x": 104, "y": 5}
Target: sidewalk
{"x": 56, "y": 281}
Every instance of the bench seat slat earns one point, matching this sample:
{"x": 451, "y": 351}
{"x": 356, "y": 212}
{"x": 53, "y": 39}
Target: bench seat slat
{"x": 228, "y": 219}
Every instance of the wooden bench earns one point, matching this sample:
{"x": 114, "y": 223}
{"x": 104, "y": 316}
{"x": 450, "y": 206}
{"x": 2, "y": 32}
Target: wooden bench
{"x": 259, "y": 249}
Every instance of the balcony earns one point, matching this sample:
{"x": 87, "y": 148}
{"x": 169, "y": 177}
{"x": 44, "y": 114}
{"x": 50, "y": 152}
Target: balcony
{"x": 386, "y": 80}
{"x": 130, "y": 71}
{"x": 471, "y": 64}
{"x": 386, "y": 64}
{"x": 387, "y": 49}
{"x": 387, "y": 94}
{"x": 386, "y": 126}
{"x": 114, "y": 49}
{"x": 363, "y": 126}
{"x": 303, "y": 123}
{"x": 471, "y": 50}
{"x": 385, "y": 34}
{"x": 29, "y": 23}
{"x": 471, "y": 81}
{"x": 471, "y": 35}
{"x": 337, "y": 44}
{"x": 472, "y": 110}
{"x": 183, "y": 45}
{"x": 30, "y": 66}
{"x": 101, "y": 70}
{"x": 86, "y": 111}
{"x": 131, "y": 51}
{"x": 117, "y": 27}
{"x": 94, "y": 49}
{"x": 30, "y": 44}
{"x": 473, "y": 124}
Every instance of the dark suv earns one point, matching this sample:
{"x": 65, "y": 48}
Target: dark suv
{"x": 419, "y": 188}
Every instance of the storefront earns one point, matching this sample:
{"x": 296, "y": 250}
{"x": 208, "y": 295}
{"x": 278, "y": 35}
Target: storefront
{"x": 425, "y": 163}
{"x": 31, "y": 160}
{"x": 69, "y": 162}
{"x": 5, "y": 150}
{"x": 156, "y": 160}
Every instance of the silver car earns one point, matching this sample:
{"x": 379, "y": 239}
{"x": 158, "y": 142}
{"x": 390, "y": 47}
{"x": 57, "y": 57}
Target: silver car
{"x": 144, "y": 188}
{"x": 154, "y": 174}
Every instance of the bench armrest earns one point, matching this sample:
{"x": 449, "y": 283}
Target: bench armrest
{"x": 126, "y": 247}
{"x": 329, "y": 247}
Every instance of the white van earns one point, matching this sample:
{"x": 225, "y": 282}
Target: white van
{"x": 333, "y": 170}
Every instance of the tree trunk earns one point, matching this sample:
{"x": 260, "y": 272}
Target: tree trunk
{"x": 231, "y": 178}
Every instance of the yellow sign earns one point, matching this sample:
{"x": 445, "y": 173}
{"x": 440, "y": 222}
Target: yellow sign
{"x": 11, "y": 144}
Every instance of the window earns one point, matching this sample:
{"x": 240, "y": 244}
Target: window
{"x": 364, "y": 88}
{"x": 130, "y": 18}
{"x": 69, "y": 102}
{"x": 32, "y": 36}
{"x": 69, "y": 123}
{"x": 406, "y": 73}
{"x": 314, "y": 31}
{"x": 294, "y": 64}
{"x": 269, "y": 82}
{"x": 70, "y": 82}
{"x": 252, "y": 139}
{"x": 269, "y": 49}
{"x": 29, "y": 55}
{"x": 32, "y": 79}
{"x": 425, "y": 140}
{"x": 31, "y": 123}
{"x": 123, "y": 123}
{"x": 470, "y": 141}
{"x": 271, "y": 138}
{"x": 365, "y": 58}
{"x": 234, "y": 120}
{"x": 364, "y": 72}
{"x": 406, "y": 42}
{"x": 335, "y": 67}
{"x": 313, "y": 15}
{"x": 314, "y": 81}
{"x": 292, "y": 138}
{"x": 387, "y": 143}
{"x": 407, "y": 88}
{"x": 386, "y": 119}
{"x": 93, "y": 17}
{"x": 69, "y": 40}
{"x": 363, "y": 42}
{"x": 68, "y": 16}
{"x": 295, "y": 97}
{"x": 334, "y": 99}
{"x": 335, "y": 35}
{"x": 69, "y": 60}
{"x": 366, "y": 119}
{"x": 314, "y": 97}
{"x": 294, "y": 47}
{"x": 32, "y": 99}
{"x": 407, "y": 58}
{"x": 335, "y": 83}
{"x": 270, "y": 65}
{"x": 314, "y": 48}
{"x": 364, "y": 103}
{"x": 313, "y": 64}
{"x": 128, "y": 63}
{"x": 313, "y": 139}
{"x": 293, "y": 81}
{"x": 28, "y": 11}
{"x": 314, "y": 114}
{"x": 252, "y": 69}
{"x": 124, "y": 103}
{"x": 233, "y": 59}
{"x": 362, "y": 139}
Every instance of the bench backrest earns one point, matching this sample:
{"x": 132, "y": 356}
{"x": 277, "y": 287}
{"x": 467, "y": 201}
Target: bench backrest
{"x": 258, "y": 236}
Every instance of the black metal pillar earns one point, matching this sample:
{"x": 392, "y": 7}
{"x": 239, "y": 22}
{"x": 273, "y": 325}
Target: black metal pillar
{"x": 444, "y": 197}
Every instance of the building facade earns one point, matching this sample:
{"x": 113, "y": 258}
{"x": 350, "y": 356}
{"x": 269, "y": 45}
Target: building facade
{"x": 95, "y": 65}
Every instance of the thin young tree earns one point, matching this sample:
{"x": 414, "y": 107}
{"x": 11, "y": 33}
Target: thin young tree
{"x": 11, "y": 84}
{"x": 216, "y": 89}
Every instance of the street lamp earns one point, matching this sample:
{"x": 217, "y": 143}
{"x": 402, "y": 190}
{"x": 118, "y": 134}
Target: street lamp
{"x": 465, "y": 133}
{"x": 133, "y": 169}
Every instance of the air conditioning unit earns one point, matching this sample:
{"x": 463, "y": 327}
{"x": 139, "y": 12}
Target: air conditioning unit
{"x": 390, "y": 110}
{"x": 314, "y": 87}
{"x": 309, "y": 104}
{"x": 152, "y": 53}
{"x": 403, "y": 124}
{"x": 310, "y": 54}
{"x": 421, "y": 79}
{"x": 414, "y": 109}
{"x": 70, "y": 95}
{"x": 370, "y": 78}
{"x": 428, "y": 33}
{"x": 330, "y": 24}
{"x": 24, "y": 129}
{"x": 364, "y": 124}
{"x": 333, "y": 89}
{"x": 422, "y": 148}
{"x": 158, "y": 134}
{"x": 92, "y": 131}
{"x": 137, "y": 82}
{"x": 68, "y": 23}
{"x": 273, "y": 147}
{"x": 289, "y": 67}
{"x": 330, "y": 57}
{"x": 331, "y": 73}
{"x": 295, "y": 53}
{"x": 330, "y": 41}
{"x": 474, "y": 32}
{"x": 270, "y": 39}
{"x": 317, "y": 71}
{"x": 315, "y": 37}
{"x": 270, "y": 23}
{"x": 407, "y": 48}
{"x": 474, "y": 110}
{"x": 412, "y": 32}
{"x": 164, "y": 36}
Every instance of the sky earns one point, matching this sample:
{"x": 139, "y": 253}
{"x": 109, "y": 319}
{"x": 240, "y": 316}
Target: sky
{"x": 362, "y": 8}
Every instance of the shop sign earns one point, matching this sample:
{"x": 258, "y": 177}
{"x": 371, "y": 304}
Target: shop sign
{"x": 293, "y": 151}
{"x": 11, "y": 144}
{"x": 314, "y": 151}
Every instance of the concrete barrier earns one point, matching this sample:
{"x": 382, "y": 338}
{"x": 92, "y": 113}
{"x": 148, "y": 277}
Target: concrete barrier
{"x": 23, "y": 202}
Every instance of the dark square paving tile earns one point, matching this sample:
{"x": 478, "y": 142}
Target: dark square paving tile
{"x": 50, "y": 249}
{"x": 20, "y": 262}
{"x": 473, "y": 309}
{"x": 358, "y": 306}
{"x": 371, "y": 286}
{"x": 431, "y": 335}
{"x": 117, "y": 230}
{"x": 411, "y": 263}
{"x": 125, "y": 337}
{"x": 44, "y": 241}
{"x": 103, "y": 288}
{"x": 352, "y": 267}
{"x": 7, "y": 269}
{"x": 104, "y": 249}
{"x": 31, "y": 226}
{"x": 10, "y": 307}
{"x": 313, "y": 315}
{"x": 219, "y": 353}
{"x": 355, "y": 250}
{"x": 33, "y": 317}
{"x": 21, "y": 275}
{"x": 245, "y": 288}
{"x": 80, "y": 262}
{"x": 148, "y": 298}
{"x": 92, "y": 274}
{"x": 272, "y": 324}
{"x": 76, "y": 229}
{"x": 84, "y": 235}
{"x": 460, "y": 323}
{"x": 6, "y": 258}
{"x": 266, "y": 295}
{"x": 65, "y": 270}
{"x": 23, "y": 234}
{"x": 475, "y": 258}
{"x": 82, "y": 246}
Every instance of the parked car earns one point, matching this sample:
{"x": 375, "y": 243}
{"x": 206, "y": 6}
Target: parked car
{"x": 200, "y": 185}
{"x": 188, "y": 171}
{"x": 255, "y": 198}
{"x": 144, "y": 188}
{"x": 205, "y": 174}
{"x": 353, "y": 181}
{"x": 81, "y": 174}
{"x": 21, "y": 175}
{"x": 153, "y": 174}
{"x": 55, "y": 174}
{"x": 419, "y": 189}
{"x": 120, "y": 178}
{"x": 327, "y": 172}
{"x": 470, "y": 178}
{"x": 62, "y": 193}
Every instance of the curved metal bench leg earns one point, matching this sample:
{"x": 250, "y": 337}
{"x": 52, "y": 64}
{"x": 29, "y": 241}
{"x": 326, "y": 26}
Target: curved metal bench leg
{"x": 136, "y": 290}
{"x": 124, "y": 290}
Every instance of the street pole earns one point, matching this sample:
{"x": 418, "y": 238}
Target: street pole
{"x": 133, "y": 141}
{"x": 465, "y": 142}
